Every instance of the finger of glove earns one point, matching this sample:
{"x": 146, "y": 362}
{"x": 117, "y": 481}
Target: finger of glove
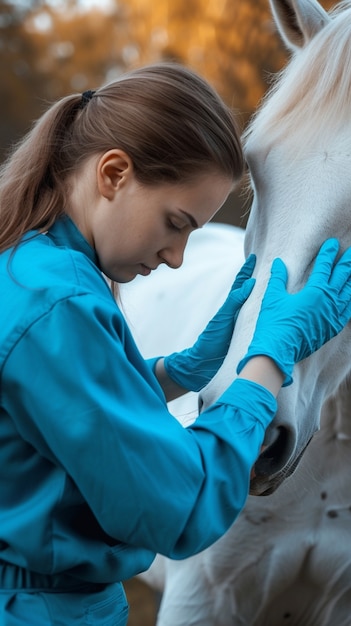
{"x": 340, "y": 279}
{"x": 324, "y": 262}
{"x": 278, "y": 279}
{"x": 234, "y": 301}
{"x": 239, "y": 296}
{"x": 245, "y": 272}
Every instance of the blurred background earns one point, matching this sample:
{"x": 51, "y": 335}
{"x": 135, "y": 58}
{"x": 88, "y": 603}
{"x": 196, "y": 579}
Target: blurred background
{"x": 49, "y": 48}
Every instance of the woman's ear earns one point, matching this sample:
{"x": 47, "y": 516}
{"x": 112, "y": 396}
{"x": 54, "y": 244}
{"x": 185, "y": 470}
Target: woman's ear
{"x": 114, "y": 169}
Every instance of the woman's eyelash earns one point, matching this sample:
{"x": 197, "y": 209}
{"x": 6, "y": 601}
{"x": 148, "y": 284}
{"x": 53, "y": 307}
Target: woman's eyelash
{"x": 174, "y": 226}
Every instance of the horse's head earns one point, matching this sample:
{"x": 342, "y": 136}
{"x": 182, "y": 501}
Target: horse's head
{"x": 298, "y": 149}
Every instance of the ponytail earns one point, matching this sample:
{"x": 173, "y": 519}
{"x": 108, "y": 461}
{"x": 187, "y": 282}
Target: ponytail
{"x": 32, "y": 193}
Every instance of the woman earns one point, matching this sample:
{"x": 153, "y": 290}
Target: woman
{"x": 95, "y": 475}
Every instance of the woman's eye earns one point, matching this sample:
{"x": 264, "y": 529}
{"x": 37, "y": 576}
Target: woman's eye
{"x": 175, "y": 226}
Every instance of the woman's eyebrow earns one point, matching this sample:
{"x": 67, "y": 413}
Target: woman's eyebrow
{"x": 191, "y": 219}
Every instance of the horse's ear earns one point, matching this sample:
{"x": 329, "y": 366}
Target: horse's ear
{"x": 298, "y": 20}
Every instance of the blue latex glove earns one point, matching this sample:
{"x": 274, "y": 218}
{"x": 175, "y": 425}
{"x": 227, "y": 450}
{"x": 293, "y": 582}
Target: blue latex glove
{"x": 290, "y": 327}
{"x": 194, "y": 367}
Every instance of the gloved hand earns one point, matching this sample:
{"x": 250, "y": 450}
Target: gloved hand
{"x": 194, "y": 367}
{"x": 290, "y": 327}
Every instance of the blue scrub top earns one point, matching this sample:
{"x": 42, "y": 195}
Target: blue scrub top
{"x": 96, "y": 475}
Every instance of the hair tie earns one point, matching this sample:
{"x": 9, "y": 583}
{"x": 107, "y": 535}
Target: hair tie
{"x": 86, "y": 97}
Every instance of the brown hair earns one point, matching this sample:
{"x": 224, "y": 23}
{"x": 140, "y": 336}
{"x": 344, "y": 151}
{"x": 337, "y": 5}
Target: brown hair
{"x": 169, "y": 120}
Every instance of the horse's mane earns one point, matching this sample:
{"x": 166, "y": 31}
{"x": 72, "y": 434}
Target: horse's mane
{"x": 313, "y": 92}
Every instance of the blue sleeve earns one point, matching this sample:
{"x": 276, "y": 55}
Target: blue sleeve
{"x": 85, "y": 399}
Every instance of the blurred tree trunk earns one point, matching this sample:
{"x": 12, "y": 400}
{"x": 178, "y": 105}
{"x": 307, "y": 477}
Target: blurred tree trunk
{"x": 20, "y": 84}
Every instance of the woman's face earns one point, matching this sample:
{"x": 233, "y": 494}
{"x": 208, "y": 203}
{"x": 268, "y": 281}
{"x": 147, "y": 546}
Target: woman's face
{"x": 135, "y": 227}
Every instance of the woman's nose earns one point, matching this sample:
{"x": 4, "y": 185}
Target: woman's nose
{"x": 173, "y": 255}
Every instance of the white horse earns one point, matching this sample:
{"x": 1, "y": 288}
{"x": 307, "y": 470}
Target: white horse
{"x": 298, "y": 148}
{"x": 287, "y": 559}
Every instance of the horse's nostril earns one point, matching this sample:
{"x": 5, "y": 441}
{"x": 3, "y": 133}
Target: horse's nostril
{"x": 277, "y": 451}
{"x": 275, "y": 464}
{"x": 271, "y": 436}
{"x": 200, "y": 403}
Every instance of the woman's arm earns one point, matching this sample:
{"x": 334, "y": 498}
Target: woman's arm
{"x": 170, "y": 388}
{"x": 261, "y": 370}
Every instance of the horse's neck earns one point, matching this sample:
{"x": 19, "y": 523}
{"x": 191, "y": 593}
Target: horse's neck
{"x": 336, "y": 411}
